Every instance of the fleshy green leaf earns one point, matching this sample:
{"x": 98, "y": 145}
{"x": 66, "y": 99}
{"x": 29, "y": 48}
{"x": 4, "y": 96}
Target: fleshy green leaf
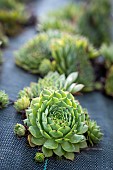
{"x": 50, "y": 144}
{"x": 83, "y": 144}
{"x": 68, "y": 147}
{"x": 35, "y": 131}
{"x": 47, "y": 152}
{"x": 56, "y": 133}
{"x": 76, "y": 138}
{"x": 37, "y": 141}
{"x": 70, "y": 79}
{"x": 64, "y": 130}
{"x": 59, "y": 151}
{"x": 69, "y": 155}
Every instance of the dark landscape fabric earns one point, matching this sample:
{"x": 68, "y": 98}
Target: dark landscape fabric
{"x": 15, "y": 153}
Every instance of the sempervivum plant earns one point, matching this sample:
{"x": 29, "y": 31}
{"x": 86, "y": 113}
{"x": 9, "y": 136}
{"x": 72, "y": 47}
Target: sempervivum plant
{"x": 70, "y": 12}
{"x": 3, "y": 38}
{"x": 12, "y": 21}
{"x": 32, "y": 54}
{"x": 107, "y": 52}
{"x": 91, "y": 23}
{"x": 4, "y": 99}
{"x": 109, "y": 82}
{"x": 73, "y": 54}
{"x": 12, "y": 16}
{"x": 30, "y": 57}
{"x": 52, "y": 81}
{"x": 55, "y": 24}
{"x": 57, "y": 122}
{"x": 22, "y": 104}
{"x": 19, "y": 130}
{"x": 93, "y": 134}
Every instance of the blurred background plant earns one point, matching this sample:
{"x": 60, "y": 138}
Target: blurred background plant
{"x": 13, "y": 17}
{"x": 95, "y": 23}
{"x": 109, "y": 82}
{"x": 0, "y": 54}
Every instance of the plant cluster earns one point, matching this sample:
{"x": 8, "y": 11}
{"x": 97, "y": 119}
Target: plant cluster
{"x": 62, "y": 52}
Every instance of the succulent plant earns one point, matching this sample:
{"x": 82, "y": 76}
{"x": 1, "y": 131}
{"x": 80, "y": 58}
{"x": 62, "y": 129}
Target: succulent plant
{"x": 27, "y": 92}
{"x": 109, "y": 82}
{"x": 93, "y": 134}
{"x": 3, "y": 37}
{"x": 63, "y": 133}
{"x": 92, "y": 25}
{"x": 55, "y": 24}
{"x": 45, "y": 67}
{"x": 4, "y": 99}
{"x": 10, "y": 4}
{"x": 22, "y": 103}
{"x": 19, "y": 130}
{"x": 107, "y": 52}
{"x": 52, "y": 81}
{"x": 70, "y": 12}
{"x": 39, "y": 157}
{"x": 57, "y": 122}
{"x": 32, "y": 54}
{"x": 73, "y": 54}
{"x": 12, "y": 21}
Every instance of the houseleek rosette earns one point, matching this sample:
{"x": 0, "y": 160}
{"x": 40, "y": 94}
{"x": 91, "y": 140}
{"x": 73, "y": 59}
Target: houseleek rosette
{"x": 56, "y": 121}
{"x": 4, "y": 99}
{"x": 52, "y": 81}
{"x": 73, "y": 54}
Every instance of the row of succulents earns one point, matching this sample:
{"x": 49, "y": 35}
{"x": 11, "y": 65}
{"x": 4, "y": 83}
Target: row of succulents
{"x": 90, "y": 19}
{"x": 59, "y": 51}
{"x": 54, "y": 120}
{"x": 13, "y": 17}
{"x": 61, "y": 41}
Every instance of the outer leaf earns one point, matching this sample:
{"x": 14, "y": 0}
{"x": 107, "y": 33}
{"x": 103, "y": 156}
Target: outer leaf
{"x": 70, "y": 79}
{"x": 59, "y": 151}
{"x": 56, "y": 134}
{"x": 47, "y": 152}
{"x": 50, "y": 144}
{"x": 69, "y": 155}
{"x": 35, "y": 132}
{"x": 37, "y": 141}
{"x": 68, "y": 147}
{"x": 83, "y": 144}
{"x": 76, "y": 138}
{"x": 74, "y": 88}
{"x": 29, "y": 140}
